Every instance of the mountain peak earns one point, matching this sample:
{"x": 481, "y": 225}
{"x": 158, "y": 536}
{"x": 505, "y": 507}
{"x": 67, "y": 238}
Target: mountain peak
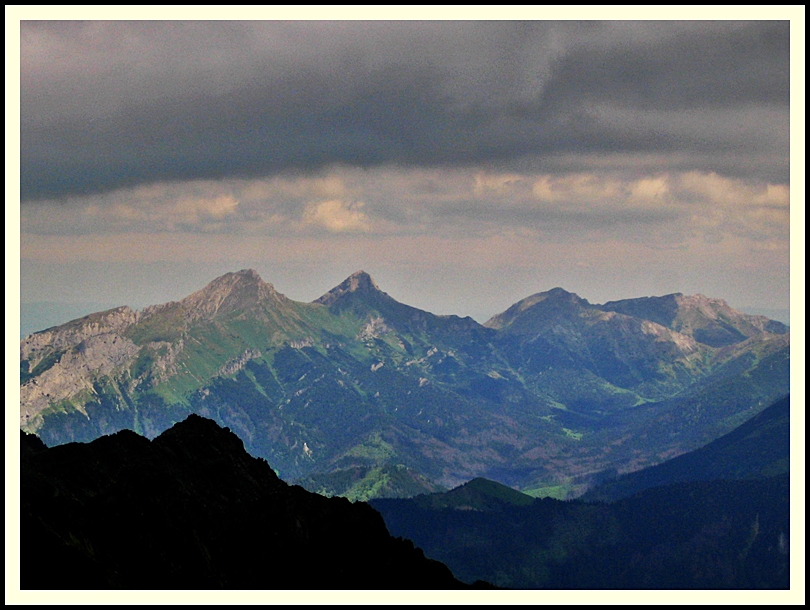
{"x": 479, "y": 494}
{"x": 251, "y": 274}
{"x": 202, "y": 438}
{"x": 247, "y": 276}
{"x": 236, "y": 290}
{"x": 556, "y": 291}
{"x": 557, "y": 300}
{"x": 358, "y": 282}
{"x": 233, "y": 279}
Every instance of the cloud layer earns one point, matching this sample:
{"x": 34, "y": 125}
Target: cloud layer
{"x": 107, "y": 105}
{"x": 465, "y": 164}
{"x": 665, "y": 209}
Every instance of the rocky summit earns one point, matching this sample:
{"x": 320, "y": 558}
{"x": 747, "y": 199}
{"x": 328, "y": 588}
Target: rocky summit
{"x": 357, "y": 394}
{"x": 360, "y": 282}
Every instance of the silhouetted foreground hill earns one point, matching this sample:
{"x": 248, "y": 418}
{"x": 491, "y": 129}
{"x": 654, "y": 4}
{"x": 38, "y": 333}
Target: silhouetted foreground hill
{"x": 192, "y": 510}
{"x": 699, "y": 535}
{"x": 685, "y": 527}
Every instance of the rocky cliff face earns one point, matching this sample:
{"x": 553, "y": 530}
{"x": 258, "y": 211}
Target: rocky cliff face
{"x": 112, "y": 322}
{"x": 72, "y": 375}
{"x": 61, "y": 363}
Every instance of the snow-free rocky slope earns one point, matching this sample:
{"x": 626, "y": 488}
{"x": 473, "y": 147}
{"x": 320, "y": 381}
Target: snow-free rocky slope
{"x": 358, "y": 394}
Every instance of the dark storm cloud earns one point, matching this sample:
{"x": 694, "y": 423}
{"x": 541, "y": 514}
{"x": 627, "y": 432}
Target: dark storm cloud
{"x": 687, "y": 65}
{"x": 112, "y": 104}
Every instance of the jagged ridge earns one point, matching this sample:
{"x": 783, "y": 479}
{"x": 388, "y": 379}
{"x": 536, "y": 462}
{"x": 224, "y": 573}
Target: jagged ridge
{"x": 192, "y": 510}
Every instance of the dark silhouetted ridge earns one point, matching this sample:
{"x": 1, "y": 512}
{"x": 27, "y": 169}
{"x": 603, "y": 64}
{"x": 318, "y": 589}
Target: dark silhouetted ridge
{"x": 192, "y": 510}
{"x": 30, "y": 444}
{"x": 696, "y": 535}
{"x": 479, "y": 494}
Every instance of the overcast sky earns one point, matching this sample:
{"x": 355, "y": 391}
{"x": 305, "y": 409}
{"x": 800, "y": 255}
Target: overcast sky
{"x": 464, "y": 165}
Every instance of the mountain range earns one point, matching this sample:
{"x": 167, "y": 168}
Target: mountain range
{"x": 714, "y": 518}
{"x": 359, "y": 395}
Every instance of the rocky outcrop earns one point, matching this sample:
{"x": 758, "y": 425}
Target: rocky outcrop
{"x": 73, "y": 373}
{"x": 114, "y": 321}
{"x": 237, "y": 364}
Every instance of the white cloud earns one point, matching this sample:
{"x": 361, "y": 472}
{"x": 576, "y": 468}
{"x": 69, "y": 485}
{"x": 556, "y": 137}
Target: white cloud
{"x": 197, "y": 208}
{"x": 658, "y": 208}
{"x": 495, "y": 182}
{"x": 337, "y": 216}
{"x": 579, "y": 189}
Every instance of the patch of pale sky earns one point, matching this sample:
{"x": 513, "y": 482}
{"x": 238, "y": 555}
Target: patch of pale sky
{"x": 506, "y": 247}
{"x": 454, "y": 273}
